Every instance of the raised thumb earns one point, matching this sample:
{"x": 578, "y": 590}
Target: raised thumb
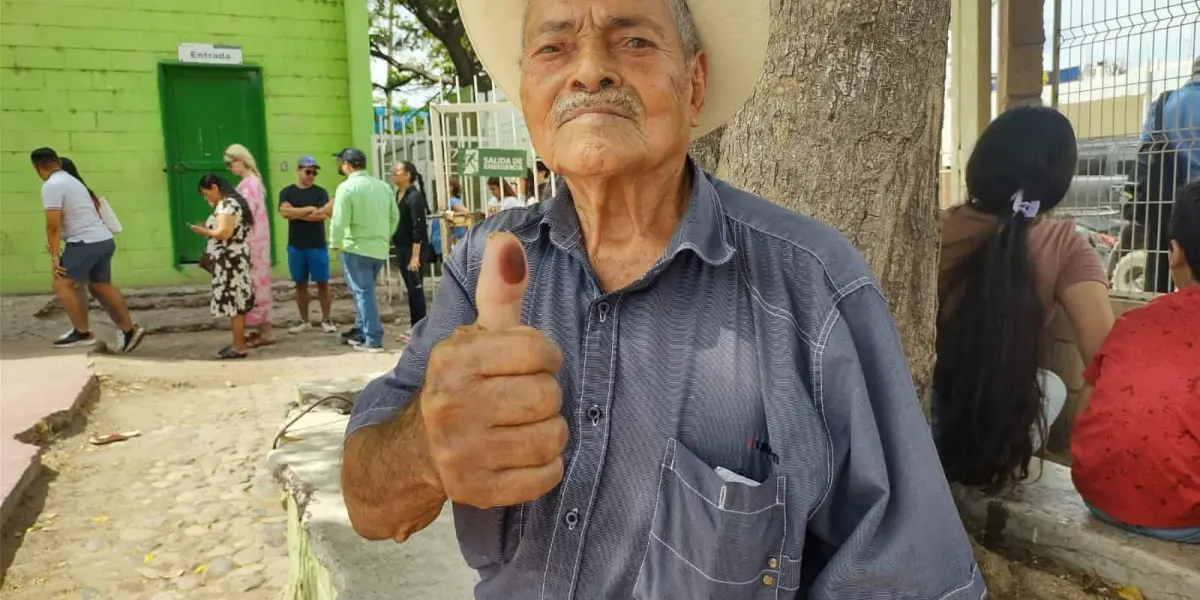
{"x": 501, "y": 287}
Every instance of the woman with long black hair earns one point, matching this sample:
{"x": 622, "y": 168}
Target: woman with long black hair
{"x": 227, "y": 258}
{"x": 1004, "y": 268}
{"x": 411, "y": 238}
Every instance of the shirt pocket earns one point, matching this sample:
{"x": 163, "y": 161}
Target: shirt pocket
{"x": 710, "y": 538}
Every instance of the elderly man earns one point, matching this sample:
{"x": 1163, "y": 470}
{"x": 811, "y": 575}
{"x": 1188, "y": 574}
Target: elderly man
{"x": 654, "y": 385}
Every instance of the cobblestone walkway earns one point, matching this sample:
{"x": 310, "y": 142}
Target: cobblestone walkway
{"x": 187, "y": 509}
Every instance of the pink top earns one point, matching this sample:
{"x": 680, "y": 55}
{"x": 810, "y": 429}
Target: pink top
{"x": 252, "y": 189}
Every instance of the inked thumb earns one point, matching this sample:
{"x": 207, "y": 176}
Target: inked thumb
{"x": 501, "y": 287}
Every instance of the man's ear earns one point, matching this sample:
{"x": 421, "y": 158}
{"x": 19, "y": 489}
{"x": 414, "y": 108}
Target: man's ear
{"x": 1176, "y": 257}
{"x": 699, "y": 76}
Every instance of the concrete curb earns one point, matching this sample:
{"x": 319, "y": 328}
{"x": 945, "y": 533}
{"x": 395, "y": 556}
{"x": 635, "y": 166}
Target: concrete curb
{"x": 1048, "y": 518}
{"x": 32, "y": 441}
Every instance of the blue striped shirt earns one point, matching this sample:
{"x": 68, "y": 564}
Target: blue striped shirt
{"x": 759, "y": 343}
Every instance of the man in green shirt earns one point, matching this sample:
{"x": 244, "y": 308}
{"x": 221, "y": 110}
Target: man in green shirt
{"x": 364, "y": 218}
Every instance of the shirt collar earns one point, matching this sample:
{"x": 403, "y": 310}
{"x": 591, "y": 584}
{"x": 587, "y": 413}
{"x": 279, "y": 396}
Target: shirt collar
{"x": 702, "y": 228}
{"x": 359, "y": 173}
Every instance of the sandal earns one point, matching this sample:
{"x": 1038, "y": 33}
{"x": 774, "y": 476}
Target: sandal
{"x": 254, "y": 341}
{"x": 403, "y": 338}
{"x": 228, "y": 353}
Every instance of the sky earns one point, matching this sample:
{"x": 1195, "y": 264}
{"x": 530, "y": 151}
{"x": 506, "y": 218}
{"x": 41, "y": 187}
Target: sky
{"x": 1132, "y": 32}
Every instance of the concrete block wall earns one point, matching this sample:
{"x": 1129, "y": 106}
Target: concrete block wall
{"x": 1063, "y": 358}
{"x": 81, "y": 76}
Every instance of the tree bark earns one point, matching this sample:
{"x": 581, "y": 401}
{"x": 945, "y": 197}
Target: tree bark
{"x": 845, "y": 125}
{"x": 707, "y": 150}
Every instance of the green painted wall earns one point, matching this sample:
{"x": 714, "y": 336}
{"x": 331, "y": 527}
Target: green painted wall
{"x": 80, "y": 76}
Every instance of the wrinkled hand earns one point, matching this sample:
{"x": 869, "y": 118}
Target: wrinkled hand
{"x": 491, "y": 403}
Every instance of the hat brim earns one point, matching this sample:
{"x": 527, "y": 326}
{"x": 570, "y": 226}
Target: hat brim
{"x": 733, "y": 34}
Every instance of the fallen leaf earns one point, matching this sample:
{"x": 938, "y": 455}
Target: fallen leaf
{"x": 99, "y": 519}
{"x": 149, "y": 558}
{"x": 1129, "y": 592}
{"x": 200, "y": 569}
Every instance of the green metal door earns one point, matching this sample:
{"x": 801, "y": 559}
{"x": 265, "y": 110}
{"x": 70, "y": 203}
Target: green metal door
{"x": 205, "y": 109}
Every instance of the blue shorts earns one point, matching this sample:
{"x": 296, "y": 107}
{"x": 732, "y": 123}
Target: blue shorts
{"x": 308, "y": 265}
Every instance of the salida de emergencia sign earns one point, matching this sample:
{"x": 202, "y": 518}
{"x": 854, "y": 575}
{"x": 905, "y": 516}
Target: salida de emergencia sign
{"x": 210, "y": 54}
{"x": 492, "y": 162}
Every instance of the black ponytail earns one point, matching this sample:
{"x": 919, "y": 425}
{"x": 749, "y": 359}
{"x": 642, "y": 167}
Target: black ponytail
{"x": 989, "y": 340}
{"x": 414, "y": 175}
{"x": 211, "y": 180}
{"x": 68, "y": 165}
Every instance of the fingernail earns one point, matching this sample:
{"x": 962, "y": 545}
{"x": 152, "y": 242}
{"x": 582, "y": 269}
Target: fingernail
{"x": 512, "y": 264}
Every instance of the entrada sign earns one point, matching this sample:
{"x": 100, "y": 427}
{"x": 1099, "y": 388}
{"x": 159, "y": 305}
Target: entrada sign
{"x": 492, "y": 162}
{"x": 210, "y": 54}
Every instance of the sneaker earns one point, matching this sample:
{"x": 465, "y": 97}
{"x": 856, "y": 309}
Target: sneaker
{"x": 351, "y": 334}
{"x": 75, "y": 339}
{"x": 363, "y": 347}
{"x": 128, "y": 341}
{"x": 353, "y": 340}
{"x": 301, "y": 328}
{"x": 329, "y": 327}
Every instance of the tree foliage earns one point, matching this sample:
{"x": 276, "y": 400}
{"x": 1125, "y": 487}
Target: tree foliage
{"x": 424, "y": 44}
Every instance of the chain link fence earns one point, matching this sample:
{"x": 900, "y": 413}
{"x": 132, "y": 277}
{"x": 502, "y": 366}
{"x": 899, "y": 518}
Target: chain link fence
{"x": 1126, "y": 74}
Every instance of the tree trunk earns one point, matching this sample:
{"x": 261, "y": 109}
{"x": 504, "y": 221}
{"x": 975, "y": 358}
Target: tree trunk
{"x": 707, "y": 150}
{"x": 845, "y": 126}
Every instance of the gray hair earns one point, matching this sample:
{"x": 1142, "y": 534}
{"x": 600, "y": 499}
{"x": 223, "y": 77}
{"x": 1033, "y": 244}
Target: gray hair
{"x": 685, "y": 26}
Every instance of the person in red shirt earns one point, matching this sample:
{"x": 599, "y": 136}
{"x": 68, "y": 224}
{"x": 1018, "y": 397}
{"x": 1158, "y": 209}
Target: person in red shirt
{"x": 1137, "y": 444}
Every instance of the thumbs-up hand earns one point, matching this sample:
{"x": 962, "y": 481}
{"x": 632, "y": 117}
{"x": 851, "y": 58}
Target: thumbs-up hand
{"x": 490, "y": 404}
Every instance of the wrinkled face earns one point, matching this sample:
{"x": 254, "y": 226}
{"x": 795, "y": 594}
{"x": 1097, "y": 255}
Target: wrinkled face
{"x": 211, "y": 194}
{"x": 606, "y": 85}
{"x": 307, "y": 176}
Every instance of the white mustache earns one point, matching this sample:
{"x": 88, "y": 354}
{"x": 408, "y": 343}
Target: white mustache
{"x": 623, "y": 101}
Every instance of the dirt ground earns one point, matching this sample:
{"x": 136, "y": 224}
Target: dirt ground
{"x": 188, "y": 510}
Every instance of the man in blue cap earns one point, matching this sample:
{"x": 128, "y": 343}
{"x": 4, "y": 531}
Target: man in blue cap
{"x": 364, "y": 218}
{"x": 304, "y": 204}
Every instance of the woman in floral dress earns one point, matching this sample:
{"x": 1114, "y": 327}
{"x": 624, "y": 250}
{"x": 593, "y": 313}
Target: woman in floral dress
{"x": 227, "y": 257}
{"x": 241, "y": 163}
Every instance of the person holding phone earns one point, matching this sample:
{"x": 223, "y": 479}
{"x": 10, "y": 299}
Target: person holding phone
{"x": 227, "y": 258}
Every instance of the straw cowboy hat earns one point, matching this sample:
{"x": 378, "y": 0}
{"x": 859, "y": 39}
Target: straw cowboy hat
{"x": 733, "y": 34}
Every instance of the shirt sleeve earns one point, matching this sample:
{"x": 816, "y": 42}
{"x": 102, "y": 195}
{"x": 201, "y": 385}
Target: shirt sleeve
{"x": 340, "y": 219}
{"x": 452, "y": 307}
{"x": 283, "y": 196}
{"x": 52, "y": 197}
{"x": 393, "y": 214}
{"x": 888, "y": 527}
{"x": 417, "y": 207}
{"x": 1079, "y": 263}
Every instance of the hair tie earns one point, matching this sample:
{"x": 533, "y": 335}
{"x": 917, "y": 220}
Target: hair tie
{"x": 1021, "y": 207}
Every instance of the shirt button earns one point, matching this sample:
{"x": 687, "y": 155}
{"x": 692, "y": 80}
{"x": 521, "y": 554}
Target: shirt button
{"x": 773, "y": 563}
{"x": 572, "y": 518}
{"x": 594, "y": 413}
{"x": 768, "y": 580}
{"x": 603, "y": 308}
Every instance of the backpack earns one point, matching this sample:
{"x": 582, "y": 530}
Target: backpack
{"x": 1153, "y": 181}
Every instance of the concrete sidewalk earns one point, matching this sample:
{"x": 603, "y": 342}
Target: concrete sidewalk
{"x": 40, "y": 393}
